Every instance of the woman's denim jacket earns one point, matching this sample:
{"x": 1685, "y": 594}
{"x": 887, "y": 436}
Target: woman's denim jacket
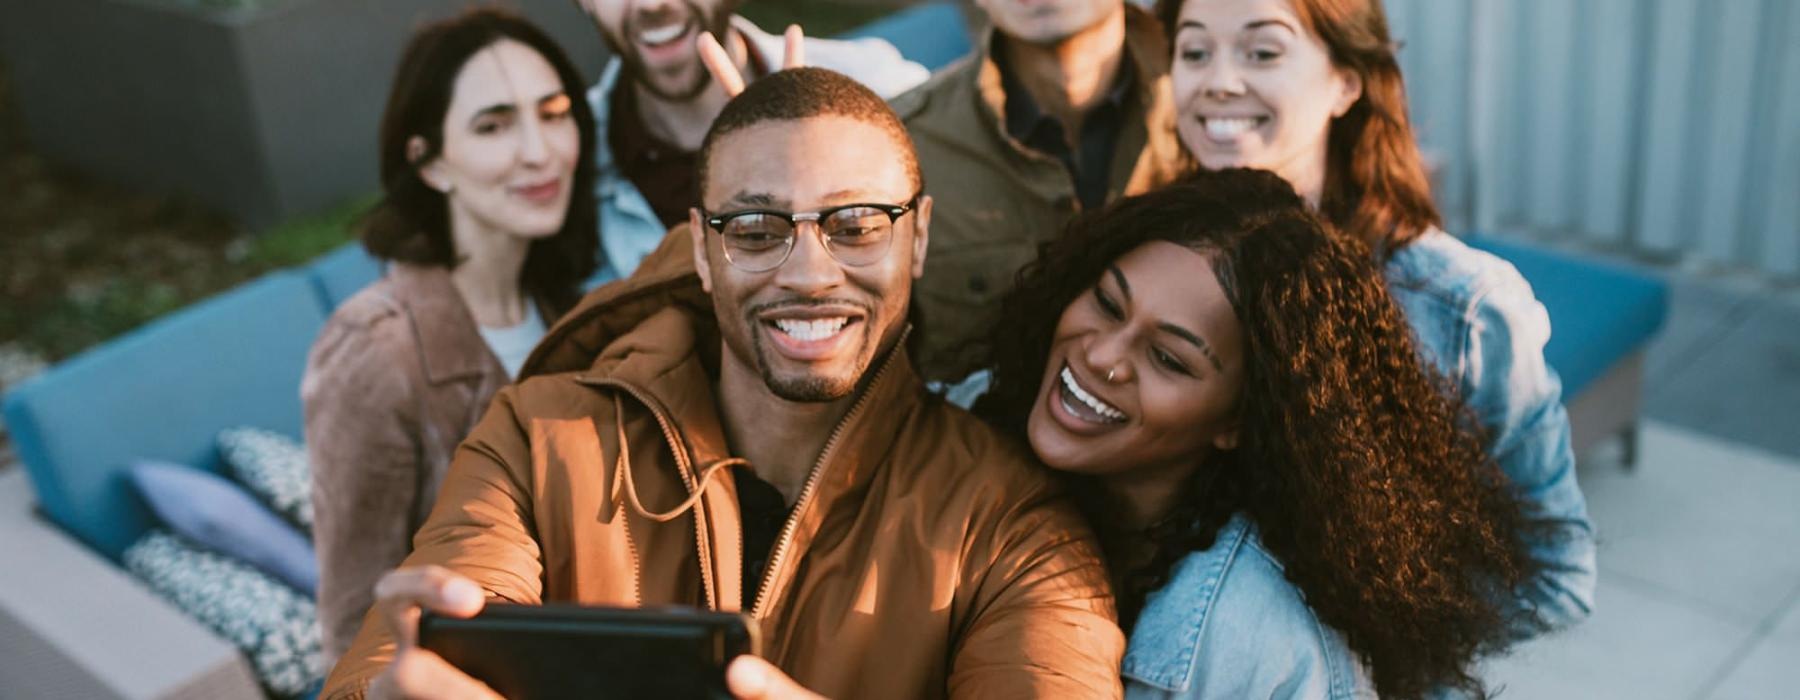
{"x": 1229, "y": 625}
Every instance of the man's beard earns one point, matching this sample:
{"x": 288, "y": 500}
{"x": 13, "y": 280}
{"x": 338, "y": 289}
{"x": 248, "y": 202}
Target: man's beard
{"x": 626, "y": 48}
{"x": 809, "y": 388}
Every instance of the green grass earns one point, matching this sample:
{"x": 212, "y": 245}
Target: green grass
{"x": 110, "y": 299}
{"x": 305, "y": 238}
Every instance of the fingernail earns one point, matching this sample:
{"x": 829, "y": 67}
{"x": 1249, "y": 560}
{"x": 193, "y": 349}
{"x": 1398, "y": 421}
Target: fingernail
{"x": 750, "y": 678}
{"x": 462, "y": 593}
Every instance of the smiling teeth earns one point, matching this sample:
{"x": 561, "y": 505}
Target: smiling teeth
{"x": 663, "y": 35}
{"x": 1094, "y": 404}
{"x": 1227, "y": 129}
{"x": 810, "y": 330}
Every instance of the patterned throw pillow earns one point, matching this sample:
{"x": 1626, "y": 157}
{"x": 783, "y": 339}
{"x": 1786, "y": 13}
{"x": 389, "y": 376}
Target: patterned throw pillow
{"x": 273, "y": 467}
{"x": 275, "y": 627}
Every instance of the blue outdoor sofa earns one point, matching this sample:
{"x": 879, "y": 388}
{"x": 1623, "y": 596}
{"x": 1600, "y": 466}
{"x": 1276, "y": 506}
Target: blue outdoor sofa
{"x": 165, "y": 391}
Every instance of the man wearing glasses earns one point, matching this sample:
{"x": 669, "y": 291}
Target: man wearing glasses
{"x": 746, "y": 432}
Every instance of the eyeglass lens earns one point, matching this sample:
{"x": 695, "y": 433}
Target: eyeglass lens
{"x": 855, "y": 236}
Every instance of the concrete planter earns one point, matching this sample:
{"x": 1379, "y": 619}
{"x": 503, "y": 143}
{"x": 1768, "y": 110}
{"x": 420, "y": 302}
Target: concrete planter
{"x": 260, "y": 113}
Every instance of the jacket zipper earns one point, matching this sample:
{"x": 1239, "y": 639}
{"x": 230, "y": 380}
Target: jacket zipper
{"x": 686, "y": 468}
{"x": 806, "y": 491}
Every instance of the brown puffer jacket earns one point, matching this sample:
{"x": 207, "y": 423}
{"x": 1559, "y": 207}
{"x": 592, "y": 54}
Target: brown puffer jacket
{"x": 927, "y": 556}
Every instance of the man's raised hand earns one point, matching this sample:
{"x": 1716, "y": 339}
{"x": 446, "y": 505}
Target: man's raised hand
{"x": 724, "y": 70}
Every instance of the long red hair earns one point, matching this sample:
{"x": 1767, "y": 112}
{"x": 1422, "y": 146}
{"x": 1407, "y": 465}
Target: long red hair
{"x": 1376, "y": 188}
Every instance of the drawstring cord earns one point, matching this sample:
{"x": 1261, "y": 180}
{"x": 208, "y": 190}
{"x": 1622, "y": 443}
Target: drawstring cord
{"x": 623, "y": 467}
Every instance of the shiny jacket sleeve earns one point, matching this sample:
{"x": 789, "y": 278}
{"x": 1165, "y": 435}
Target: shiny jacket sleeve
{"x": 1517, "y": 398}
{"x": 361, "y": 424}
{"x": 1041, "y": 621}
{"x": 480, "y": 528}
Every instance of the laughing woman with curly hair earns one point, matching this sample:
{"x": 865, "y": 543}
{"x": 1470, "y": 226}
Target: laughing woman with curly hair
{"x": 1292, "y": 505}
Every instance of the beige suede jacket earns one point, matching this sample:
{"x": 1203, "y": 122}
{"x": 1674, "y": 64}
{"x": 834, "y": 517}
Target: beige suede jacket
{"x": 396, "y": 379}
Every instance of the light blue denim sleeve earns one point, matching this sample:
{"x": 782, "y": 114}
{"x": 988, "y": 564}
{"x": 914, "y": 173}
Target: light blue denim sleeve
{"x": 1517, "y": 398}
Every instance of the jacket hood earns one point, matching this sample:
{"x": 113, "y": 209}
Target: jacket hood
{"x": 665, "y": 279}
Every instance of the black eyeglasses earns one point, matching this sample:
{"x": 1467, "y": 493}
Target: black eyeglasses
{"x": 759, "y": 240}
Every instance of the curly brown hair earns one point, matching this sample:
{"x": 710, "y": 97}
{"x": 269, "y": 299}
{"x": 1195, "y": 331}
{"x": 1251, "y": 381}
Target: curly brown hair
{"x": 1356, "y": 462}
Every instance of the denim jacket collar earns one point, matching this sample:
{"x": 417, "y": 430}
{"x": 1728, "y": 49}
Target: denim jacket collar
{"x": 629, "y": 228}
{"x": 1166, "y": 638}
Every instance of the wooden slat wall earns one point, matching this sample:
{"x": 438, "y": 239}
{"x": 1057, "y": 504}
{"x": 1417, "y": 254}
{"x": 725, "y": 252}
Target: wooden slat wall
{"x": 1670, "y": 127}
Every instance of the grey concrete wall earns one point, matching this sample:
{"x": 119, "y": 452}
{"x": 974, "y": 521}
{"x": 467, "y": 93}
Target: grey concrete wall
{"x": 262, "y": 114}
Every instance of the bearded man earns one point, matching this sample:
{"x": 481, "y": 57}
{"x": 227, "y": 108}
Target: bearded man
{"x": 655, "y": 100}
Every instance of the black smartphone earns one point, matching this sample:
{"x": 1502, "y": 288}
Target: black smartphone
{"x": 528, "y": 652}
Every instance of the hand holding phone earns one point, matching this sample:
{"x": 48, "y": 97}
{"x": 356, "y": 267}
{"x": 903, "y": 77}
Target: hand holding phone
{"x": 406, "y": 596}
{"x": 752, "y": 678}
{"x": 574, "y": 651}
{"x": 401, "y": 597}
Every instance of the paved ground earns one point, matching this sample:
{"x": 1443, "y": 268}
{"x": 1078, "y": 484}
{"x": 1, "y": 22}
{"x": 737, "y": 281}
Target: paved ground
{"x": 1728, "y": 363}
{"x": 1700, "y": 547}
{"x": 1699, "y": 579}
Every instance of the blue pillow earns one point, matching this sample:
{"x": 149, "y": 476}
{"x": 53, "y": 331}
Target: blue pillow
{"x": 216, "y": 513}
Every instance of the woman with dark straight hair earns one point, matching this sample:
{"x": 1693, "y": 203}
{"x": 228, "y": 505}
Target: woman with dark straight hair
{"x": 487, "y": 225}
{"x": 1312, "y": 90}
{"x": 1291, "y": 505}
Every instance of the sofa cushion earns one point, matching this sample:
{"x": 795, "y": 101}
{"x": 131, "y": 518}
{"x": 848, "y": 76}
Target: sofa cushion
{"x": 273, "y": 467}
{"x": 276, "y": 628}
{"x": 1600, "y": 312}
{"x": 161, "y": 392}
{"x": 342, "y": 272}
{"x": 219, "y": 515}
{"x": 932, "y": 34}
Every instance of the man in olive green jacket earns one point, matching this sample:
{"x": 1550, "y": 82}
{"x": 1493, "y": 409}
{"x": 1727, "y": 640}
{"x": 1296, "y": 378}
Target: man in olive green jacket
{"x": 1064, "y": 106}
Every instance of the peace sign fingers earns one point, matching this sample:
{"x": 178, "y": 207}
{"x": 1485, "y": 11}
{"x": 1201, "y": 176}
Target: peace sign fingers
{"x": 725, "y": 71}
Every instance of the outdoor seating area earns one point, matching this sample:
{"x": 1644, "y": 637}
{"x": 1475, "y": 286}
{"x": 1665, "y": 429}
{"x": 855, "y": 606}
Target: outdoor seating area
{"x": 75, "y": 623}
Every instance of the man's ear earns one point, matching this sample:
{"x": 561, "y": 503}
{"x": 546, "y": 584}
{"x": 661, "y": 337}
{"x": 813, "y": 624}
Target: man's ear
{"x": 1352, "y": 91}
{"x": 431, "y": 172}
{"x": 921, "y": 235}
{"x": 697, "y": 232}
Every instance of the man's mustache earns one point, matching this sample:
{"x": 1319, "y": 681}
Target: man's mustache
{"x": 806, "y": 303}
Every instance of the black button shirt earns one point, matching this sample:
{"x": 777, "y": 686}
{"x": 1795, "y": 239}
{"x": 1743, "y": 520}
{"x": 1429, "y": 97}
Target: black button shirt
{"x": 764, "y": 512}
{"x": 1027, "y": 123}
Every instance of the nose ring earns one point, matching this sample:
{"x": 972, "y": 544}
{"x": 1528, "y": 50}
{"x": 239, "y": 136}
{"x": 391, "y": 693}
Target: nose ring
{"x": 1110, "y": 373}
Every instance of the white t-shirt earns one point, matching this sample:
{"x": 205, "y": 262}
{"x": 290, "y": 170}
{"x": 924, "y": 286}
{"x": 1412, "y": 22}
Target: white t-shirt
{"x": 512, "y": 345}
